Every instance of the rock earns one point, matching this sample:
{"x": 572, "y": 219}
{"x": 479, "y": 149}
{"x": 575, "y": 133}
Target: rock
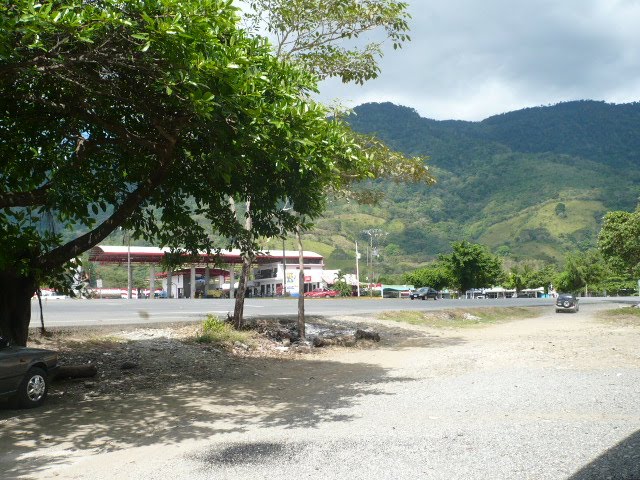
{"x": 340, "y": 340}
{"x": 128, "y": 365}
{"x": 365, "y": 335}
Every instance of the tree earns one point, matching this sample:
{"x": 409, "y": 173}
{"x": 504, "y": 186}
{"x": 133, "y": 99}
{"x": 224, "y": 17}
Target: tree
{"x": 619, "y": 241}
{"x": 148, "y": 115}
{"x": 527, "y": 276}
{"x": 471, "y": 266}
{"x": 582, "y": 270}
{"x": 435, "y": 275}
{"x": 561, "y": 210}
{"x": 314, "y": 34}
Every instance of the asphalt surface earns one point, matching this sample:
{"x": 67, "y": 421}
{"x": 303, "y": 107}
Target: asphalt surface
{"x": 73, "y": 312}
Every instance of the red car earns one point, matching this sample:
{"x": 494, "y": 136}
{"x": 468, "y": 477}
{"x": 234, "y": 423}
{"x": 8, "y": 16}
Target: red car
{"x": 322, "y": 293}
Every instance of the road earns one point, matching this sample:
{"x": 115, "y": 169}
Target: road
{"x": 545, "y": 398}
{"x": 70, "y": 312}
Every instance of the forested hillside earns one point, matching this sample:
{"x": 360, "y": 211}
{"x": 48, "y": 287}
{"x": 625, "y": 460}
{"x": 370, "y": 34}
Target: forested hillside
{"x": 531, "y": 184}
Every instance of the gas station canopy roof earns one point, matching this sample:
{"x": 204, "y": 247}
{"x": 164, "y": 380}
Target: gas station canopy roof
{"x": 135, "y": 254}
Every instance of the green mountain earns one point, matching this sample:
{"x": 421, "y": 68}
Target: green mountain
{"x": 531, "y": 184}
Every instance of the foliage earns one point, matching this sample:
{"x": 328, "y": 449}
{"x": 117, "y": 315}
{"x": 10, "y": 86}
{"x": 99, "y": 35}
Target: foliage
{"x": 435, "y": 275}
{"x": 151, "y": 115}
{"x": 561, "y": 210}
{"x": 343, "y": 287}
{"x": 216, "y": 331}
{"x": 522, "y": 276}
{"x": 471, "y": 266}
{"x": 619, "y": 241}
{"x": 582, "y": 270}
{"x": 316, "y": 33}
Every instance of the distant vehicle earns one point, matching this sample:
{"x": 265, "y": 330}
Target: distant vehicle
{"x": 567, "y": 302}
{"x": 424, "y": 293}
{"x": 322, "y": 293}
{"x": 25, "y": 373}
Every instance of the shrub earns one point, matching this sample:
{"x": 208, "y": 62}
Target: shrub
{"x": 215, "y": 330}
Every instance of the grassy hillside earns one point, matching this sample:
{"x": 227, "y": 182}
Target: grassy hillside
{"x": 530, "y": 184}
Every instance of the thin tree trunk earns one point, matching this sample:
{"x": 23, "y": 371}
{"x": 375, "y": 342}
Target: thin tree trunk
{"x": 238, "y": 312}
{"x": 301, "y": 321}
{"x": 247, "y": 260}
{"x": 15, "y": 306}
{"x": 42, "y": 329}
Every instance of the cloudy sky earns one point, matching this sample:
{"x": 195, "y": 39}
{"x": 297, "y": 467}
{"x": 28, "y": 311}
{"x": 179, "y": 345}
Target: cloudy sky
{"x": 470, "y": 59}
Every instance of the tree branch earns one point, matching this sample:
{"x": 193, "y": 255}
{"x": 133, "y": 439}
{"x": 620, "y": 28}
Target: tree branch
{"x": 90, "y": 239}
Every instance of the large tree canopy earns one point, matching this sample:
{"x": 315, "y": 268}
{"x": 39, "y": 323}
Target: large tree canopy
{"x": 619, "y": 241}
{"x": 148, "y": 115}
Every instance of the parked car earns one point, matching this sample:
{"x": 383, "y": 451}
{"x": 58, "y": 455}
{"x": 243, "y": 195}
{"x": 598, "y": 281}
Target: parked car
{"x": 424, "y": 293}
{"x": 322, "y": 293}
{"x": 567, "y": 302}
{"x": 25, "y": 374}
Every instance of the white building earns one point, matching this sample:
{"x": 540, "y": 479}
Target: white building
{"x": 268, "y": 275}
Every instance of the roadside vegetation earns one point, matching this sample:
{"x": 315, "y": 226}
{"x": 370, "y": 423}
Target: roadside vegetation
{"x": 215, "y": 331}
{"x": 461, "y": 317}
{"x": 624, "y": 316}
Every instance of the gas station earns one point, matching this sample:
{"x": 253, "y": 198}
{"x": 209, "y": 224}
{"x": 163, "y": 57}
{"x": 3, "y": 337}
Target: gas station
{"x": 201, "y": 274}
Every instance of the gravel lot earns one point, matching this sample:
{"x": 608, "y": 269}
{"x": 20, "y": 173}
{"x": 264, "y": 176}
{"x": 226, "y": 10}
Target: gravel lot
{"x": 551, "y": 397}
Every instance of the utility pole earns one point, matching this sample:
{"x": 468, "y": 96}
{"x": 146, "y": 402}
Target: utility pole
{"x": 377, "y": 234}
{"x": 357, "y": 269}
{"x": 284, "y": 271}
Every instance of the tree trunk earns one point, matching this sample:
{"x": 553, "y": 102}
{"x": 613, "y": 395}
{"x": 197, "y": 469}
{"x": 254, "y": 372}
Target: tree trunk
{"x": 77, "y": 371}
{"x": 15, "y": 306}
{"x": 247, "y": 258}
{"x": 238, "y": 312}
{"x": 301, "y": 322}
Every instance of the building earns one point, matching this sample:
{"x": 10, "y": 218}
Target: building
{"x": 218, "y": 271}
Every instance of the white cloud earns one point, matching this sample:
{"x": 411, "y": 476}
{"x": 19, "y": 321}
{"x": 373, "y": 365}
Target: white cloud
{"x": 470, "y": 59}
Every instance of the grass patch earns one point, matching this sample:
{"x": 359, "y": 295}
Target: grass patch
{"x": 461, "y": 317}
{"x": 624, "y": 316}
{"x": 216, "y": 331}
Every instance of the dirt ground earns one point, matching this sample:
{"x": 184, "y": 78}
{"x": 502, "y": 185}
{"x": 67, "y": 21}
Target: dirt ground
{"x": 158, "y": 388}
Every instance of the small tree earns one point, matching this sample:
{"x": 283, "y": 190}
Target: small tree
{"x": 472, "y": 265}
{"x": 561, "y": 210}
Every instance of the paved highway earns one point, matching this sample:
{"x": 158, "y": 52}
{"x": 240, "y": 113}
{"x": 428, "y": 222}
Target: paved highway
{"x": 71, "y": 312}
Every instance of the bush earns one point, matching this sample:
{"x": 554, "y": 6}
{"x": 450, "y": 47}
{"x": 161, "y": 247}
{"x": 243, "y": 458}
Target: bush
{"x": 215, "y": 330}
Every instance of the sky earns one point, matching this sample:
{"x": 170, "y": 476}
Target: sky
{"x": 470, "y": 59}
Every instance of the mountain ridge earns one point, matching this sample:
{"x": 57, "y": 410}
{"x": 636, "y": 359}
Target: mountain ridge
{"x": 500, "y": 181}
